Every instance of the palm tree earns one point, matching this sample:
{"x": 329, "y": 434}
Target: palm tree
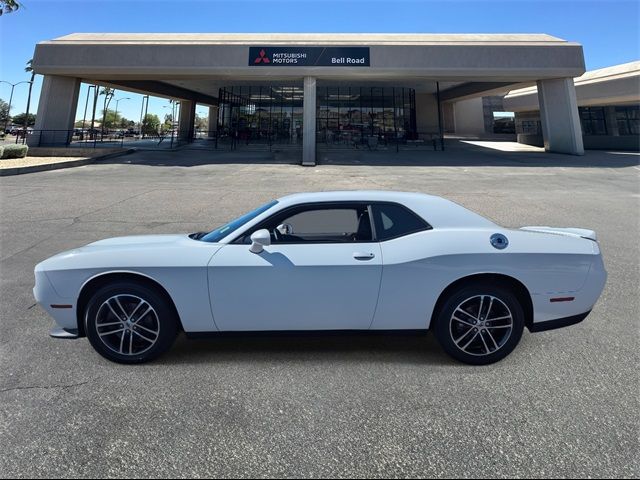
{"x": 29, "y": 69}
{"x": 8, "y": 6}
{"x": 108, "y": 95}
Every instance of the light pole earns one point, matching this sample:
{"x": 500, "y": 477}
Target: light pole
{"x": 202, "y": 116}
{"x": 116, "y": 118}
{"x": 173, "y": 120}
{"x": 13, "y": 85}
{"x": 144, "y": 99}
{"x": 123, "y": 98}
{"x": 165, "y": 121}
{"x": 172, "y": 105}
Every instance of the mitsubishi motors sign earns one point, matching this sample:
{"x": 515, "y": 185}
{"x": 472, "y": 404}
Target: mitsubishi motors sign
{"x": 309, "y": 56}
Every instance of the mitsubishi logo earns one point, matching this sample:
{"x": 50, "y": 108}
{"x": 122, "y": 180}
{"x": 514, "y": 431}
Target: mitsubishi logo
{"x": 262, "y": 58}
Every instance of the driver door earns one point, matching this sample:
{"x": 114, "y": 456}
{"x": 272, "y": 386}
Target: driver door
{"x": 322, "y": 271}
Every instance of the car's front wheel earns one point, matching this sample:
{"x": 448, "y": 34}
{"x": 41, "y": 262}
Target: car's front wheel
{"x": 480, "y": 324}
{"x": 127, "y": 322}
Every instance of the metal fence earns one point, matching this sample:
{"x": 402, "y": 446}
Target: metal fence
{"x": 230, "y": 141}
{"x": 387, "y": 141}
{"x": 97, "y": 139}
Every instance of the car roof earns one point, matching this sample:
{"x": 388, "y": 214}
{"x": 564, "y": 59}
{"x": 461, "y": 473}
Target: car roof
{"x": 438, "y": 211}
{"x": 352, "y": 195}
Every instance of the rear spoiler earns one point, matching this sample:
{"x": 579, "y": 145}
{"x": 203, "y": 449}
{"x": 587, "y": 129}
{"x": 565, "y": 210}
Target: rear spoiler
{"x": 570, "y": 232}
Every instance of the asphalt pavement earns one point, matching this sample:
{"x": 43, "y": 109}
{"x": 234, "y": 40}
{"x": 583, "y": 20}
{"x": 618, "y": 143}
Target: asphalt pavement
{"x": 564, "y": 404}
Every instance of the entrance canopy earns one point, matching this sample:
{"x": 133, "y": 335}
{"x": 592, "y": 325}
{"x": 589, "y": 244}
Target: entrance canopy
{"x": 191, "y": 61}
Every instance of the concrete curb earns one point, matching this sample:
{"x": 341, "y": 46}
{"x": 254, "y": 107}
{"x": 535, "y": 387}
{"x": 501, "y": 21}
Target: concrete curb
{"x": 4, "y": 172}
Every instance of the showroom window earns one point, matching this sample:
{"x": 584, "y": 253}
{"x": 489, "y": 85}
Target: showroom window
{"x": 592, "y": 120}
{"x": 530, "y": 127}
{"x": 628, "y": 119}
{"x": 344, "y": 114}
{"x": 348, "y": 115}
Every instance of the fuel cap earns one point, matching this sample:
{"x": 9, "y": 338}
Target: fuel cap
{"x": 499, "y": 241}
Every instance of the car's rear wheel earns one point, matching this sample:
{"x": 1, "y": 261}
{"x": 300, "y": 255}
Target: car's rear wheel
{"x": 480, "y": 324}
{"x": 127, "y": 322}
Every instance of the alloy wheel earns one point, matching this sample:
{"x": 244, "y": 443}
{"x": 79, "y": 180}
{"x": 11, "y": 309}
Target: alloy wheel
{"x": 127, "y": 324}
{"x": 481, "y": 325}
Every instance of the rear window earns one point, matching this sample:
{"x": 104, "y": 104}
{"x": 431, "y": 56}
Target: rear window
{"x": 393, "y": 220}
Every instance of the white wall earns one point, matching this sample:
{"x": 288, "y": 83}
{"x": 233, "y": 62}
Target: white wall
{"x": 469, "y": 117}
{"x": 426, "y": 113}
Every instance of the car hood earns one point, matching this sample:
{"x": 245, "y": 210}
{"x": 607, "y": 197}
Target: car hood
{"x": 134, "y": 240}
{"x": 134, "y": 251}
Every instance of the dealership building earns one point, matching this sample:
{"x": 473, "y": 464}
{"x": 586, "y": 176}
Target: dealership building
{"x": 608, "y": 107}
{"x": 310, "y": 89}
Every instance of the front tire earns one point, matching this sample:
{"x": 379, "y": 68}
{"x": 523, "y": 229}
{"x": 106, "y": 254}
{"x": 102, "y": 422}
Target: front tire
{"x": 127, "y": 322}
{"x": 480, "y": 325}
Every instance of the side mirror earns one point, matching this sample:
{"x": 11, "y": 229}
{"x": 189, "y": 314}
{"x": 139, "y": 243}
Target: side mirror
{"x": 259, "y": 240}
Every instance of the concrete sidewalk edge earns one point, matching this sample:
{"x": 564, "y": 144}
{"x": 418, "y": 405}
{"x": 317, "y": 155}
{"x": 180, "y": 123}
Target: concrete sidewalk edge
{"x": 56, "y": 166}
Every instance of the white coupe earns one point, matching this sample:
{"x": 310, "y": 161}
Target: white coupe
{"x": 356, "y": 260}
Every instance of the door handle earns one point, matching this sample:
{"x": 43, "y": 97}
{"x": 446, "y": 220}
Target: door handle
{"x": 363, "y": 256}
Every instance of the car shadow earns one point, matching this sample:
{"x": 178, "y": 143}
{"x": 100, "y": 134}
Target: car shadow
{"x": 314, "y": 347}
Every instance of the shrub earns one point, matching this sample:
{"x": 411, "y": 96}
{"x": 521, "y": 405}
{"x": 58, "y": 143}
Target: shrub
{"x": 14, "y": 151}
{"x": 1, "y": 150}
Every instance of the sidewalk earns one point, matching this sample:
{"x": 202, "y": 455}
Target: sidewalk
{"x": 18, "y": 166}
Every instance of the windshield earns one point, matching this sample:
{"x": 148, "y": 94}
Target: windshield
{"x": 221, "y": 232}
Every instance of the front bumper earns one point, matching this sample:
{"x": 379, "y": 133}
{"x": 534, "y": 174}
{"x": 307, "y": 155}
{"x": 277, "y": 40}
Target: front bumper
{"x": 62, "y": 310}
{"x": 64, "y": 334}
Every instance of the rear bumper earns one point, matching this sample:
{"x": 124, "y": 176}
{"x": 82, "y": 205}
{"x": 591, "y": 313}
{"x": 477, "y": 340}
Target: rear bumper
{"x": 558, "y": 323}
{"x": 551, "y": 307}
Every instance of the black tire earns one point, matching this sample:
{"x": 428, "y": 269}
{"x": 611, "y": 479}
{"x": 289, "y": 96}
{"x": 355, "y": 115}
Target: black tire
{"x": 116, "y": 348}
{"x": 486, "y": 336}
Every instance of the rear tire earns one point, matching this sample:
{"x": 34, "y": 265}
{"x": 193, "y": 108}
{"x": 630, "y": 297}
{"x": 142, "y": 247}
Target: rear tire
{"x": 128, "y": 322}
{"x": 480, "y": 324}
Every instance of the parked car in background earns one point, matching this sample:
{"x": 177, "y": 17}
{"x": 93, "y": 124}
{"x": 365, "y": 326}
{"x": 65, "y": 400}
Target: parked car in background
{"x": 21, "y": 133}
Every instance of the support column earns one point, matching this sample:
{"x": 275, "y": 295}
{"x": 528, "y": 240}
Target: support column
{"x": 213, "y": 122}
{"x": 187, "y": 120}
{"x": 56, "y": 111}
{"x": 309, "y": 122}
{"x": 559, "y": 116}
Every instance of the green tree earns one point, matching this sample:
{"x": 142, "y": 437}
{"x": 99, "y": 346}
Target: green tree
{"x": 4, "y": 112}
{"x": 21, "y": 119}
{"x": 150, "y": 124}
{"x": 111, "y": 120}
{"x": 168, "y": 122}
{"x": 201, "y": 123}
{"x": 8, "y": 6}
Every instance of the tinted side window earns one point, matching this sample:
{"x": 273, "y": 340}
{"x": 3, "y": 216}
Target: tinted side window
{"x": 318, "y": 223}
{"x": 325, "y": 225}
{"x": 393, "y": 220}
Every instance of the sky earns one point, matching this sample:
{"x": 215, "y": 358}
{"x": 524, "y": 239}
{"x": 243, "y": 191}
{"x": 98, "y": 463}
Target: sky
{"x": 607, "y": 29}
